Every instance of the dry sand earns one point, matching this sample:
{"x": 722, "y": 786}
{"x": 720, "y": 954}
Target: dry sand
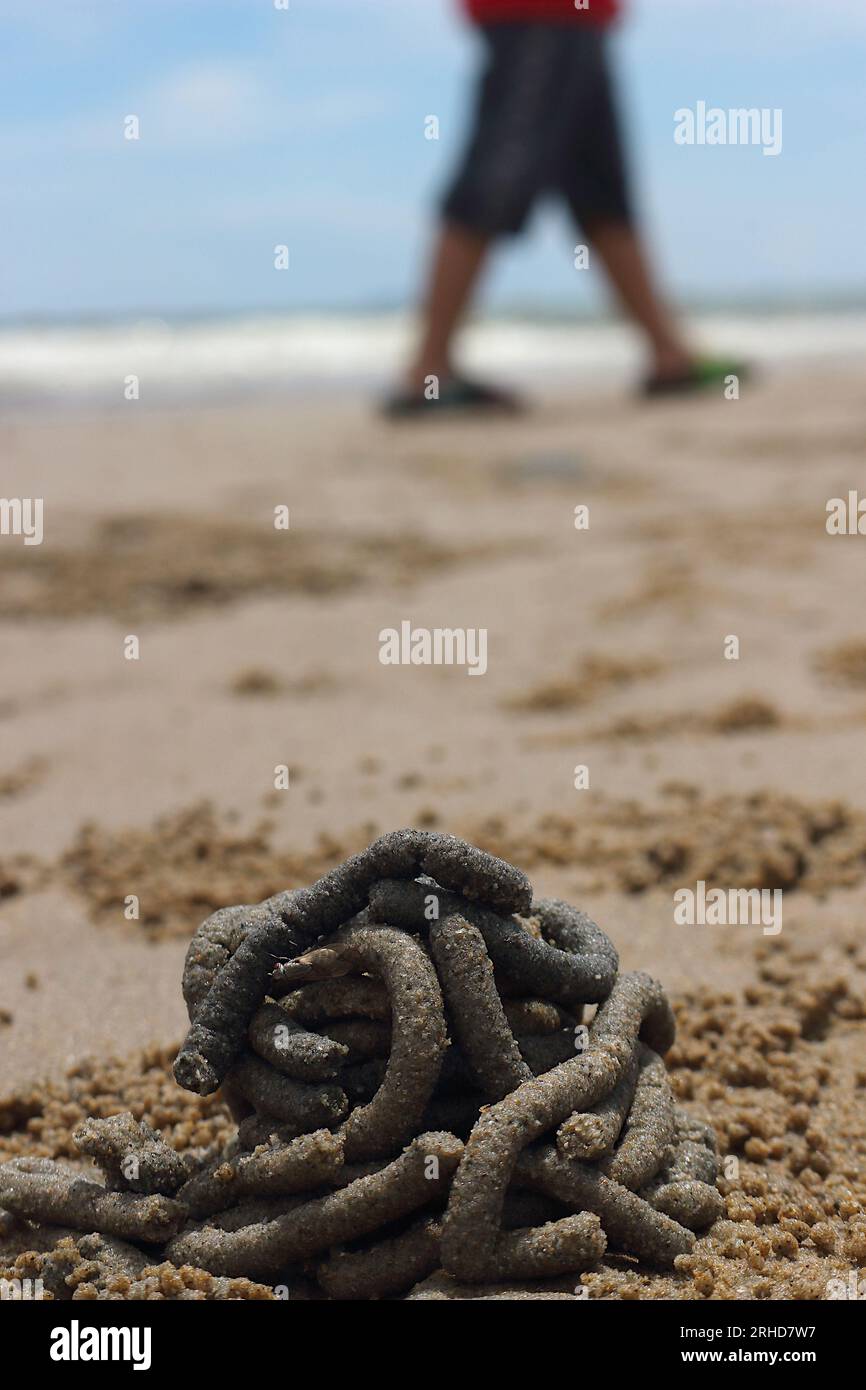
{"x": 606, "y": 648}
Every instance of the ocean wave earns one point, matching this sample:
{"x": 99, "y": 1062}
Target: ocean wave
{"x": 301, "y": 352}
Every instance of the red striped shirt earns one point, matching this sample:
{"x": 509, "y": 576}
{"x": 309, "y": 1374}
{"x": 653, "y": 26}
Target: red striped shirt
{"x": 559, "y": 11}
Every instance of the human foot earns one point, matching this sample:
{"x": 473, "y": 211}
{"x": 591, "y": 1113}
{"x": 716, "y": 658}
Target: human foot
{"x": 453, "y": 394}
{"x": 693, "y": 374}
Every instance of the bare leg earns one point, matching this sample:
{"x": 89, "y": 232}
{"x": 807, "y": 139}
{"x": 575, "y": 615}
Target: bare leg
{"x": 458, "y": 259}
{"x": 628, "y": 271}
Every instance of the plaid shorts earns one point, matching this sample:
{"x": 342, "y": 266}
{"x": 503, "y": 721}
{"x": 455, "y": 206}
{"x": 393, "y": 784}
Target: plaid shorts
{"x": 545, "y": 123}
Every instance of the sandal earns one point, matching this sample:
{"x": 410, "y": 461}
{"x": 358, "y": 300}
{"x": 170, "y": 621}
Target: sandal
{"x": 457, "y": 394}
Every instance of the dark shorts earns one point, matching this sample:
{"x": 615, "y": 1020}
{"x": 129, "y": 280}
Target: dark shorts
{"x": 545, "y": 124}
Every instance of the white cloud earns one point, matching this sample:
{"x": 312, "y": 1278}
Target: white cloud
{"x": 207, "y": 104}
{"x": 216, "y": 97}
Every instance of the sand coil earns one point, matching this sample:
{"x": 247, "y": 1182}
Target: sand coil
{"x": 403, "y": 1049}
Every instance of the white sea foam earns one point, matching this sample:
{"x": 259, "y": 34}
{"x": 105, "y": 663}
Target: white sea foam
{"x": 91, "y": 362}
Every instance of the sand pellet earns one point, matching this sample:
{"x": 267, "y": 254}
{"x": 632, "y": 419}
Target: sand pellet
{"x": 98, "y": 1263}
{"x": 592, "y": 1133}
{"x": 216, "y": 940}
{"x": 536, "y": 1252}
{"x": 576, "y": 962}
{"x": 251, "y": 1213}
{"x": 535, "y": 1018}
{"x": 418, "y": 1040}
{"x": 42, "y": 1190}
{"x": 363, "y": 1038}
{"x": 472, "y": 1243}
{"x": 350, "y": 996}
{"x": 693, "y": 1204}
{"x": 274, "y": 1170}
{"x": 216, "y": 1035}
{"x": 684, "y": 1187}
{"x": 475, "y": 1010}
{"x": 692, "y": 1162}
{"x": 222, "y": 1018}
{"x": 293, "y": 1050}
{"x": 133, "y": 1157}
{"x": 630, "y": 1223}
{"x": 419, "y": 937}
{"x": 302, "y": 1105}
{"x": 579, "y": 968}
{"x": 388, "y": 1267}
{"x": 694, "y": 1153}
{"x": 419, "y": 1175}
{"x": 649, "y": 1128}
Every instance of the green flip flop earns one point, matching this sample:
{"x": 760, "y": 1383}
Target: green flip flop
{"x": 703, "y": 374}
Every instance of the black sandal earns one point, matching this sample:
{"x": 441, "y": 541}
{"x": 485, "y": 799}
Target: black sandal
{"x": 458, "y": 395}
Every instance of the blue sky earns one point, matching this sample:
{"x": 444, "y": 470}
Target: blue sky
{"x": 305, "y": 127}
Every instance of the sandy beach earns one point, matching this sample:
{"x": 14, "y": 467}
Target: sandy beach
{"x": 259, "y": 649}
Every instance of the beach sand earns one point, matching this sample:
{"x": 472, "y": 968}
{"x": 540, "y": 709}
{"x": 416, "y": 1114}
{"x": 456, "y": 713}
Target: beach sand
{"x": 606, "y": 648}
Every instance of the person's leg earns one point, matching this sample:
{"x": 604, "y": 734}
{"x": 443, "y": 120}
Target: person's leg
{"x": 594, "y": 180}
{"x": 458, "y": 260}
{"x": 627, "y": 268}
{"x": 495, "y": 186}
